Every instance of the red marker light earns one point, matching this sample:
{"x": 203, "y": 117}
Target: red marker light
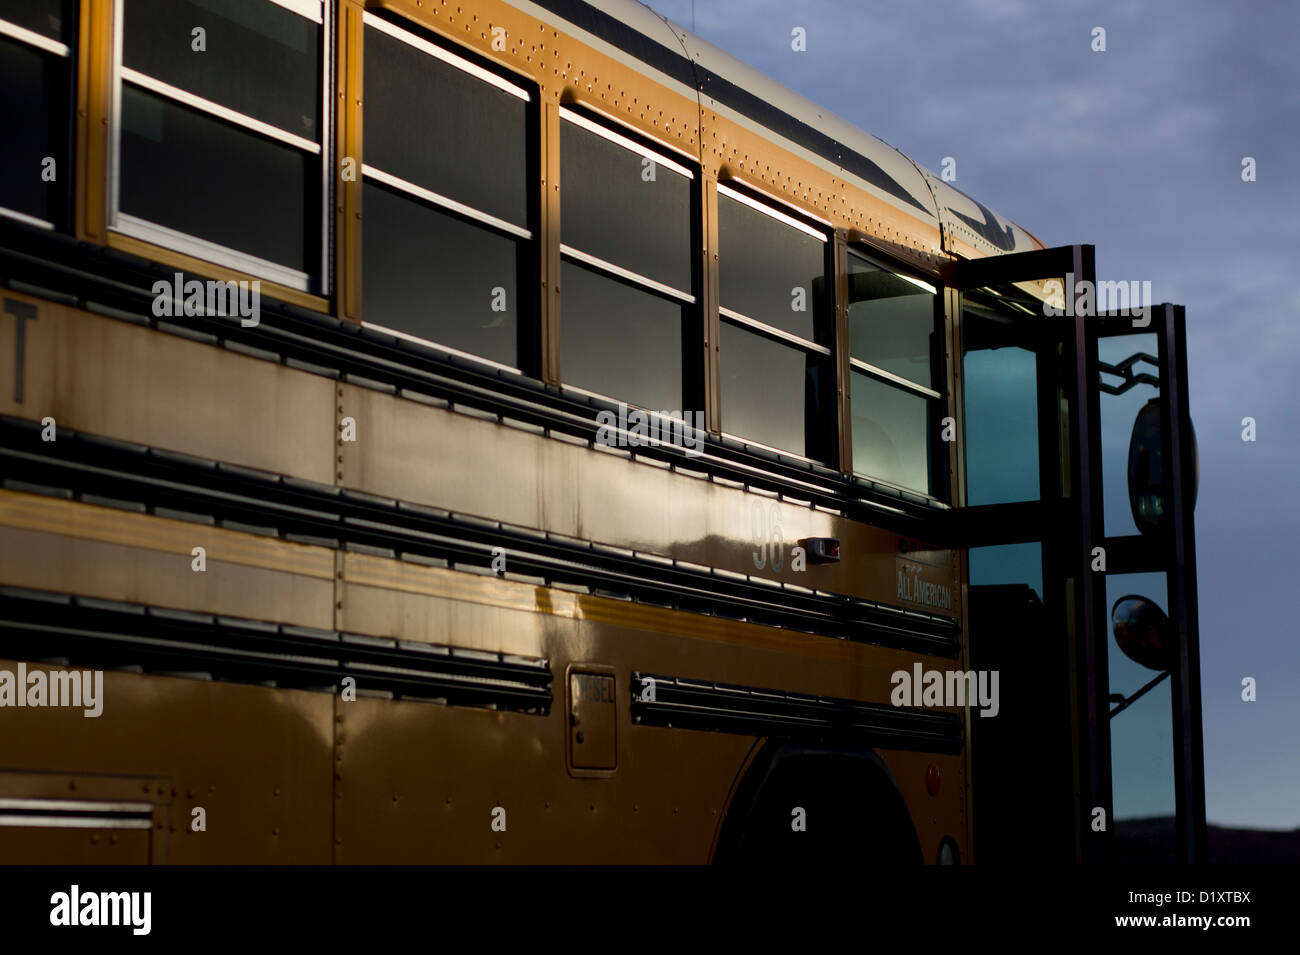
{"x": 932, "y": 780}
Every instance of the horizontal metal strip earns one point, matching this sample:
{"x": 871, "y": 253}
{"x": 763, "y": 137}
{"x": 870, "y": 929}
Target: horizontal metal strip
{"x": 771, "y": 212}
{"x": 744, "y": 185}
{"x": 857, "y": 364}
{"x": 299, "y": 508}
{"x": 595, "y": 262}
{"x": 234, "y": 117}
{"x": 443, "y": 202}
{"x": 429, "y": 343}
{"x": 38, "y": 820}
{"x": 626, "y": 142}
{"x": 770, "y": 331}
{"x": 31, "y": 37}
{"x": 309, "y": 9}
{"x": 446, "y": 56}
{"x": 26, "y": 219}
{"x": 52, "y": 261}
{"x": 41, "y": 804}
{"x": 187, "y": 244}
{"x": 727, "y": 708}
{"x": 93, "y": 634}
{"x": 751, "y": 443}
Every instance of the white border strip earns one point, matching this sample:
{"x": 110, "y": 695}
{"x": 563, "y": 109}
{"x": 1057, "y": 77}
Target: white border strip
{"x": 327, "y": 177}
{"x": 580, "y": 256}
{"x": 198, "y": 248}
{"x": 771, "y": 331}
{"x": 73, "y": 822}
{"x": 115, "y": 121}
{"x": 429, "y": 343}
{"x": 25, "y": 218}
{"x": 424, "y": 46}
{"x": 378, "y": 175}
{"x": 577, "y": 119}
{"x": 585, "y": 106}
{"x": 32, "y": 38}
{"x": 216, "y": 109}
{"x": 775, "y": 198}
{"x": 767, "y": 210}
{"x": 857, "y": 364}
{"x": 42, "y": 804}
{"x": 918, "y": 283}
{"x": 868, "y": 260}
{"x": 311, "y": 9}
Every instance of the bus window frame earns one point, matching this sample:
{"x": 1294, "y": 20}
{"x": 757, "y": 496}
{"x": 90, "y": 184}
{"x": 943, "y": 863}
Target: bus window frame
{"x": 159, "y": 238}
{"x": 33, "y": 40}
{"x": 406, "y": 29}
{"x": 828, "y": 436}
{"x": 691, "y": 302}
{"x": 945, "y": 374}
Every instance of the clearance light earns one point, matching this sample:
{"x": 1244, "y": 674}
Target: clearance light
{"x": 822, "y": 550}
{"x": 1147, "y": 492}
{"x": 932, "y": 780}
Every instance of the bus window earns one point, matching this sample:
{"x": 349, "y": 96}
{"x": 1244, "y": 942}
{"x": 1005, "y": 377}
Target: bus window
{"x": 36, "y": 74}
{"x": 1000, "y": 373}
{"x": 605, "y": 319}
{"x": 628, "y": 277}
{"x": 895, "y": 351}
{"x": 219, "y": 151}
{"x": 775, "y": 350}
{"x": 446, "y": 234}
{"x": 624, "y": 204}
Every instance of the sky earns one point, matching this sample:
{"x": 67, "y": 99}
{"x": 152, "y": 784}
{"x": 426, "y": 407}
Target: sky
{"x": 1137, "y": 150}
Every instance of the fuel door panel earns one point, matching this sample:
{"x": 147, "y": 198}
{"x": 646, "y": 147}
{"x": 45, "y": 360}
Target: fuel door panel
{"x": 593, "y": 720}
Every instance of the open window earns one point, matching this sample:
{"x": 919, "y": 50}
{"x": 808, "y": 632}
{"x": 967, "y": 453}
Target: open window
{"x": 219, "y": 125}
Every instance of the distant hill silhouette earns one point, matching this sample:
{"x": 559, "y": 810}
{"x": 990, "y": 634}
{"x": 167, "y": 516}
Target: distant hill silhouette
{"x": 1150, "y": 841}
{"x": 1259, "y": 846}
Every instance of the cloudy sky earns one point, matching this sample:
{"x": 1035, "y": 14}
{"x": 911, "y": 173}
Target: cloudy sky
{"x": 1137, "y": 150}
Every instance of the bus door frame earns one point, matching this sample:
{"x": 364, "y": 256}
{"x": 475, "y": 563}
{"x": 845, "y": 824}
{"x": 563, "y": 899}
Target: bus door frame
{"x": 1173, "y": 555}
{"x": 1070, "y": 504}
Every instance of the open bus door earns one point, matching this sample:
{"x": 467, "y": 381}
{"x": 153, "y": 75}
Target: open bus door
{"x": 1047, "y": 557}
{"x": 1149, "y": 481}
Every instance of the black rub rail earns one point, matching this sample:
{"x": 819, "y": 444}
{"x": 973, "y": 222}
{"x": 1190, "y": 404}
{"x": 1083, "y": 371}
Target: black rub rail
{"x": 696, "y": 704}
{"x": 101, "y": 634}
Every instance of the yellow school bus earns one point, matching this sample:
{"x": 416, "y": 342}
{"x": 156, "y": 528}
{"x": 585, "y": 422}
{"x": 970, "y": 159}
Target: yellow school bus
{"x": 507, "y": 431}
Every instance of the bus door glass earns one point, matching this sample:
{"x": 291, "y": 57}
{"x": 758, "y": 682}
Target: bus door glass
{"x": 1016, "y": 622}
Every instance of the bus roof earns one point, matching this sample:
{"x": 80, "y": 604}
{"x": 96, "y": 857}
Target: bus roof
{"x": 649, "y": 42}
